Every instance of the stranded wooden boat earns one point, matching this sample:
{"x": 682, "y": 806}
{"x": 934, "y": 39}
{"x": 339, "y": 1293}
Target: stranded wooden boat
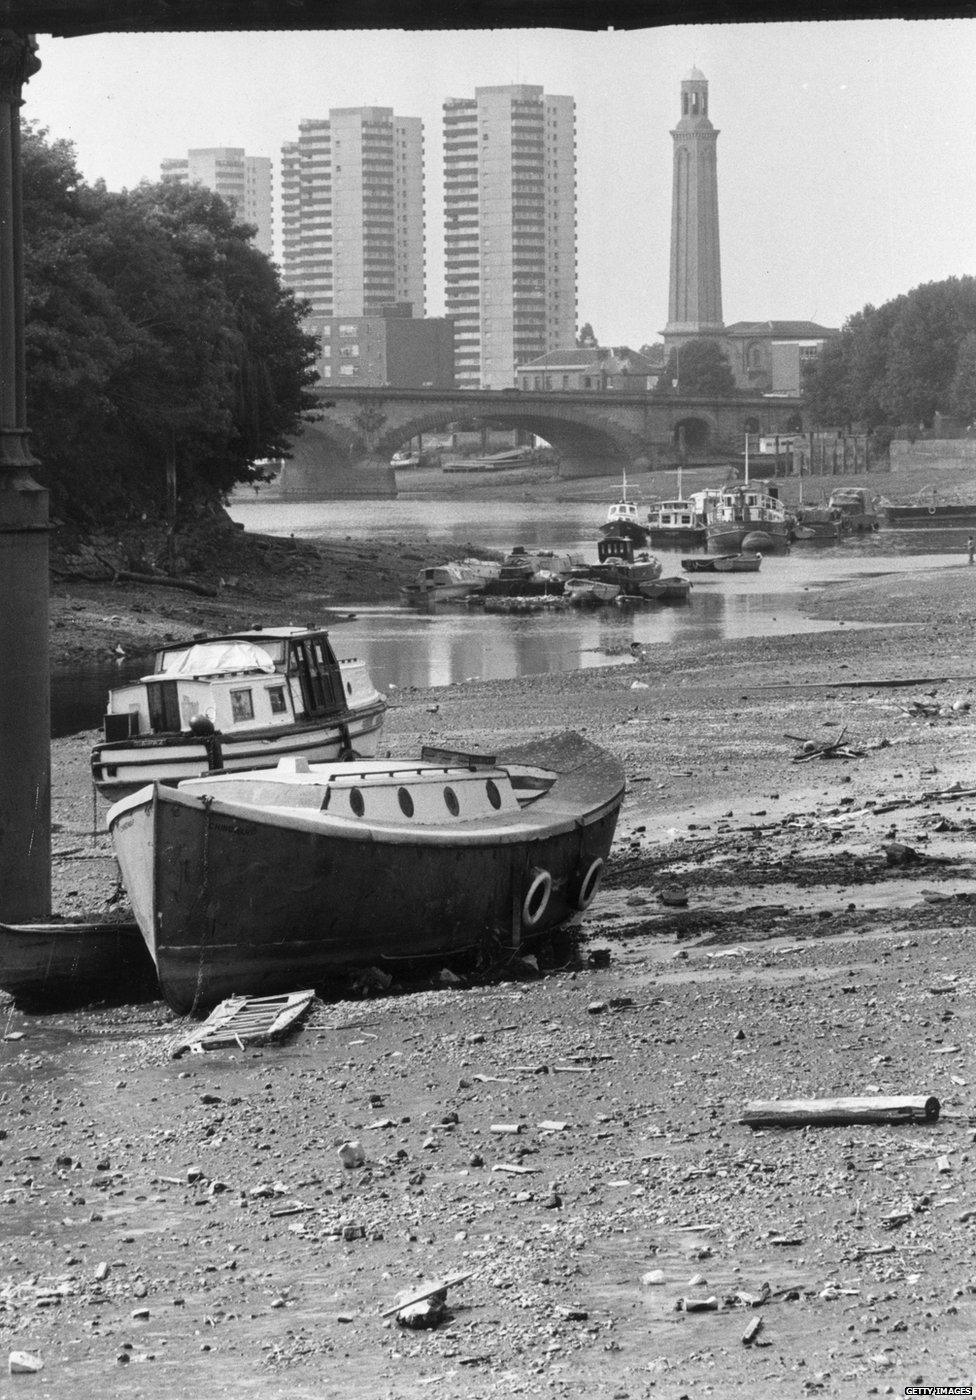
{"x": 746, "y": 509}
{"x": 723, "y": 564}
{"x": 623, "y": 519}
{"x": 65, "y": 964}
{"x": 667, "y": 590}
{"x": 236, "y": 702}
{"x": 590, "y": 592}
{"x": 263, "y": 882}
{"x": 622, "y": 565}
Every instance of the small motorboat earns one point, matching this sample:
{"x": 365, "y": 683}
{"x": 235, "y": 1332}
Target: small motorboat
{"x": 71, "y": 964}
{"x": 293, "y": 877}
{"x": 667, "y": 590}
{"x": 236, "y": 702}
{"x": 704, "y": 564}
{"x": 456, "y": 579}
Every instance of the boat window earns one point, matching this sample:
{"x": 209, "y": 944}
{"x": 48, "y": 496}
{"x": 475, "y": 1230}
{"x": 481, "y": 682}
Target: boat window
{"x": 357, "y": 802}
{"x": 241, "y": 705}
{"x": 405, "y": 801}
{"x": 494, "y": 796}
{"x": 276, "y": 695}
{"x": 451, "y": 801}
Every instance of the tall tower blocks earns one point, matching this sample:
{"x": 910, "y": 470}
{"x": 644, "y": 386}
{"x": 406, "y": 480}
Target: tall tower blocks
{"x": 695, "y": 301}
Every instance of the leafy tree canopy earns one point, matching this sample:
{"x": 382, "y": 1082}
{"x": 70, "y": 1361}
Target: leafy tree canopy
{"x": 698, "y": 367}
{"x": 586, "y": 339}
{"x": 153, "y": 328}
{"x": 901, "y": 362}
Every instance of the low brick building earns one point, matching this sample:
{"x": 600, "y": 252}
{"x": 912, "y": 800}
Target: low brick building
{"x": 394, "y": 349}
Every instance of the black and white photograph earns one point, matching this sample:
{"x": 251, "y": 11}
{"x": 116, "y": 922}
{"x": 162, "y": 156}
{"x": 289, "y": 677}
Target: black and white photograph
{"x": 487, "y": 730}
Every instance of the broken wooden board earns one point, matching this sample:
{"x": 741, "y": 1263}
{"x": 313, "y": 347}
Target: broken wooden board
{"x": 242, "y": 1020}
{"x": 798, "y": 1113}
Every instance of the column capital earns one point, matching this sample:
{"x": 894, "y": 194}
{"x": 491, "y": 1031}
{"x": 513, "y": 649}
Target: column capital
{"x": 18, "y": 62}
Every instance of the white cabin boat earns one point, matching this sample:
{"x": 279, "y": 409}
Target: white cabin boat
{"x": 623, "y": 519}
{"x": 452, "y": 580}
{"x": 745, "y": 509}
{"x": 241, "y": 701}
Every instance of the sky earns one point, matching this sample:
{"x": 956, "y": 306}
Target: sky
{"x": 846, "y": 154}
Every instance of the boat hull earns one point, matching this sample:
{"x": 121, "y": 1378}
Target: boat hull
{"x": 930, "y": 517}
{"x": 681, "y": 537}
{"x": 725, "y": 539}
{"x": 667, "y": 590}
{"x": 64, "y": 964}
{"x": 737, "y": 563}
{"x": 123, "y": 766}
{"x": 629, "y": 529}
{"x": 230, "y": 901}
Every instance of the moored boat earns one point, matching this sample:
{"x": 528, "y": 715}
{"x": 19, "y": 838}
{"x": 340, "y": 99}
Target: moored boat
{"x": 667, "y": 590}
{"x": 70, "y": 964}
{"x": 746, "y": 508}
{"x": 455, "y": 579}
{"x": 590, "y": 592}
{"x": 528, "y": 572}
{"x": 931, "y": 515}
{"x": 622, "y": 565}
{"x": 293, "y": 877}
{"x": 680, "y": 524}
{"x": 240, "y": 701}
{"x": 623, "y": 519}
{"x": 737, "y": 563}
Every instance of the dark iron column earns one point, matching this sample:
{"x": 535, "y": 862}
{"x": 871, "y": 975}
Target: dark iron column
{"x": 25, "y": 745}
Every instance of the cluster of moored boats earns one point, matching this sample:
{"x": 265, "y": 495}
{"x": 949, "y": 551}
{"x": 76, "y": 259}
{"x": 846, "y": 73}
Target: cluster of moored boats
{"x": 264, "y": 845}
{"x": 743, "y": 516}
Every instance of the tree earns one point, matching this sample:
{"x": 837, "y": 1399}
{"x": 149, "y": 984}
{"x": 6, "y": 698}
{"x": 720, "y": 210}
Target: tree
{"x": 153, "y": 327}
{"x": 962, "y": 390}
{"x": 586, "y": 339}
{"x": 698, "y": 367}
{"x": 897, "y": 363}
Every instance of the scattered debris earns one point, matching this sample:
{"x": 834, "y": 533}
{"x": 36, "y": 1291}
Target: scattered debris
{"x": 752, "y": 1331}
{"x": 244, "y": 1021}
{"x": 813, "y": 748}
{"x": 352, "y": 1155}
{"x": 20, "y": 1363}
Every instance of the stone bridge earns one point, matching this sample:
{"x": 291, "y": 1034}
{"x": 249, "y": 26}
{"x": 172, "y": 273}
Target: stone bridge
{"x": 356, "y": 431}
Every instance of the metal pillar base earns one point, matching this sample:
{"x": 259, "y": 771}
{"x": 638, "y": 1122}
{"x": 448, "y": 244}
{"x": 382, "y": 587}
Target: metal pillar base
{"x": 25, "y": 703}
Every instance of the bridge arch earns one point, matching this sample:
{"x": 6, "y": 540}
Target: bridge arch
{"x": 695, "y": 430}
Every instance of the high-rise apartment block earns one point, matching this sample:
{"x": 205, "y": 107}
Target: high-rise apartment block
{"x": 510, "y": 229}
{"x": 352, "y": 200}
{"x": 243, "y": 181}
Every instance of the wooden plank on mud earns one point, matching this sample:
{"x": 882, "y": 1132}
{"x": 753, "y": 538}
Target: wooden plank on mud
{"x": 244, "y": 1021}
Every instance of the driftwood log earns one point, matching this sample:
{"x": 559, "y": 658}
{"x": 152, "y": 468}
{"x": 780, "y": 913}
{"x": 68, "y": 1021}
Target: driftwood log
{"x": 189, "y": 585}
{"x": 800, "y": 1113}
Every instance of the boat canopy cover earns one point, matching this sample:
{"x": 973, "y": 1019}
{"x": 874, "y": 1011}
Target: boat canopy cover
{"x": 215, "y": 658}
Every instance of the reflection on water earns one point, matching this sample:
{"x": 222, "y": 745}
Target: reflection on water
{"x": 457, "y": 643}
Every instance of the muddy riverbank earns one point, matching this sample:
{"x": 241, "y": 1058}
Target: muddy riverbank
{"x": 174, "y": 1229}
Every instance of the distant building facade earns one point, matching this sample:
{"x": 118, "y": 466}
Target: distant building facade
{"x": 244, "y": 181}
{"x": 392, "y": 349}
{"x": 509, "y": 229}
{"x": 594, "y": 369}
{"x": 771, "y": 357}
{"x": 352, "y": 204}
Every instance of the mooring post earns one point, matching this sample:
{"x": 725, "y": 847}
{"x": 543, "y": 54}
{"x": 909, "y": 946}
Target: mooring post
{"x": 25, "y": 705}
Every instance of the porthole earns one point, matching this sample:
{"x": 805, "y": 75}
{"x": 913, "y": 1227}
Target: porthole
{"x": 494, "y": 796}
{"x": 405, "y": 801}
{"x": 357, "y": 802}
{"x": 451, "y": 801}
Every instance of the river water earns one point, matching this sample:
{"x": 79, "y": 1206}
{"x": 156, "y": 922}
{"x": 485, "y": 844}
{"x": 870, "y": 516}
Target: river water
{"x": 451, "y": 643}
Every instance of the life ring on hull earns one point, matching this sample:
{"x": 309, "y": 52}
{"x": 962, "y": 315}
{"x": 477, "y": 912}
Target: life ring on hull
{"x": 537, "y": 897}
{"x": 589, "y": 884}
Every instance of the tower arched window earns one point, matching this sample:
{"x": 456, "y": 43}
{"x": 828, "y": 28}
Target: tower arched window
{"x": 684, "y": 104}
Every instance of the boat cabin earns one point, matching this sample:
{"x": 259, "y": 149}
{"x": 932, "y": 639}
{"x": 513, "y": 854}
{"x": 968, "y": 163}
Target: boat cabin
{"x": 674, "y": 514}
{"x": 750, "y": 503}
{"x": 252, "y": 680}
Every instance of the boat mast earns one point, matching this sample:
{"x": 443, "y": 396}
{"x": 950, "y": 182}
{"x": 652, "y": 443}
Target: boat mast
{"x": 747, "y": 460}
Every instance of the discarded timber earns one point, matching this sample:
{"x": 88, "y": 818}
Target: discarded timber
{"x": 244, "y": 1021}
{"x": 800, "y": 1113}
